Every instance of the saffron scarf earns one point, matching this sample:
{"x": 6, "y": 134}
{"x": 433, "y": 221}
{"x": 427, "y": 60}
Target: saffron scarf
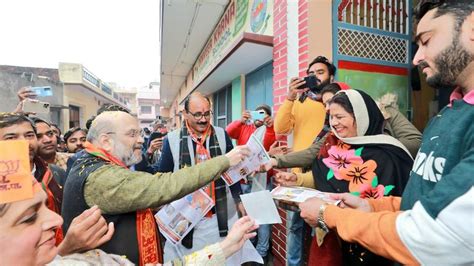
{"x": 202, "y": 154}
{"x": 149, "y": 246}
{"x": 217, "y": 189}
{"x": 53, "y": 191}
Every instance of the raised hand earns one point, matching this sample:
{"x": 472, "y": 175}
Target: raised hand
{"x": 87, "y": 231}
{"x": 285, "y": 179}
{"x": 245, "y": 117}
{"x": 293, "y": 88}
{"x": 238, "y": 234}
{"x": 238, "y": 154}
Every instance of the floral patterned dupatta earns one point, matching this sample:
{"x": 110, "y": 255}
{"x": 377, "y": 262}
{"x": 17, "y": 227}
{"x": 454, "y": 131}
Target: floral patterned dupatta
{"x": 370, "y": 165}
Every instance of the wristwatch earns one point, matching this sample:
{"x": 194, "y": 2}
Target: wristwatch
{"x": 320, "y": 221}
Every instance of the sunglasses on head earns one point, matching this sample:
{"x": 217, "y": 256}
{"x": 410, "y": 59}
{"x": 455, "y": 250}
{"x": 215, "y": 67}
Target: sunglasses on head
{"x": 426, "y": 5}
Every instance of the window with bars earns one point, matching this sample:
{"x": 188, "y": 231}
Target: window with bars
{"x": 373, "y": 46}
{"x": 387, "y": 15}
{"x": 223, "y": 106}
{"x": 74, "y": 116}
{"x": 145, "y": 109}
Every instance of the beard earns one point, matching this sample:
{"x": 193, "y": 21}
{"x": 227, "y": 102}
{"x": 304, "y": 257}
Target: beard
{"x": 449, "y": 64}
{"x": 126, "y": 155}
{"x": 320, "y": 86}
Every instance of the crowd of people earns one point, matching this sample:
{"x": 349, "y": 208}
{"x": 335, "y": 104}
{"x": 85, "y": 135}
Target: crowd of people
{"x": 403, "y": 197}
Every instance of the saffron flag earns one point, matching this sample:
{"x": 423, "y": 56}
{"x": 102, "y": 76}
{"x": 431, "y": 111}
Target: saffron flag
{"x": 15, "y": 175}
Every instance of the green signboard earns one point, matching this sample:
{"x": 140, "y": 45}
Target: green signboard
{"x": 254, "y": 16}
{"x": 378, "y": 84}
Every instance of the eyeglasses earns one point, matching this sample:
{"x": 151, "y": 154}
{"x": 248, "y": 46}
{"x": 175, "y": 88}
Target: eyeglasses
{"x": 199, "y": 115}
{"x": 135, "y": 133}
{"x": 426, "y": 5}
{"x": 132, "y": 133}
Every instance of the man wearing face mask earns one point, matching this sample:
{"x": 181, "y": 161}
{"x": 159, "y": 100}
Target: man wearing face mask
{"x": 303, "y": 115}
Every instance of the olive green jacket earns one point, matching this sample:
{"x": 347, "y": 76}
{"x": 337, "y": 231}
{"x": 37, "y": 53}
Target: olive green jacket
{"x": 118, "y": 190}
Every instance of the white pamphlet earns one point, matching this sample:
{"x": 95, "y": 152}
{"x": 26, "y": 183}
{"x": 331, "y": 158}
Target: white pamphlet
{"x": 258, "y": 156}
{"x": 299, "y": 194}
{"x": 261, "y": 207}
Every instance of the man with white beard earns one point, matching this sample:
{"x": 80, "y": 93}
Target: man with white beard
{"x": 101, "y": 177}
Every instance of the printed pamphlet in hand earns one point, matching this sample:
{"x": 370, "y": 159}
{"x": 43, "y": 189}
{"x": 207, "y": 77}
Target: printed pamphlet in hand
{"x": 294, "y": 195}
{"x": 179, "y": 217}
{"x": 258, "y": 156}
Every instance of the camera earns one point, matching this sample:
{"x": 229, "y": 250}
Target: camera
{"x": 311, "y": 82}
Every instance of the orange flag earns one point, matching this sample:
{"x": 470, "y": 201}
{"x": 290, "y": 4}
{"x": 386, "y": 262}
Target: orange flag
{"x": 15, "y": 174}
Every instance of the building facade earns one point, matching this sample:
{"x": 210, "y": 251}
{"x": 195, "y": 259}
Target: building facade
{"x": 148, "y": 106}
{"x": 256, "y": 47}
{"x": 12, "y": 78}
{"x": 129, "y": 97}
{"x": 83, "y": 93}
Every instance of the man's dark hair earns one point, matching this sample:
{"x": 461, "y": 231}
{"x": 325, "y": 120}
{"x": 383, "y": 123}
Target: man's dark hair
{"x": 89, "y": 122}
{"x": 460, "y": 9}
{"x": 265, "y": 108}
{"x": 331, "y": 87}
{"x": 71, "y": 131}
{"x": 323, "y": 60}
{"x": 56, "y": 126}
{"x": 343, "y": 100}
{"x": 10, "y": 119}
{"x": 194, "y": 95}
{"x": 40, "y": 120}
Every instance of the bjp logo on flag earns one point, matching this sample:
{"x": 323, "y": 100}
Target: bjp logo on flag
{"x": 8, "y": 168}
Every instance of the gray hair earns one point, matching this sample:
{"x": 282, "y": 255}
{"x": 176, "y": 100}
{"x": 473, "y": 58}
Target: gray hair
{"x": 102, "y": 124}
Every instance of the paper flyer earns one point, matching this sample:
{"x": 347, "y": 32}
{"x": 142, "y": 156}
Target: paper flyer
{"x": 179, "y": 217}
{"x": 295, "y": 195}
{"x": 261, "y": 207}
{"x": 258, "y": 156}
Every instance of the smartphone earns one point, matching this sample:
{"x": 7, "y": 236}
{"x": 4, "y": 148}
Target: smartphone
{"x": 42, "y": 91}
{"x": 257, "y": 115}
{"x": 311, "y": 82}
{"x": 36, "y": 107}
{"x": 156, "y": 135}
